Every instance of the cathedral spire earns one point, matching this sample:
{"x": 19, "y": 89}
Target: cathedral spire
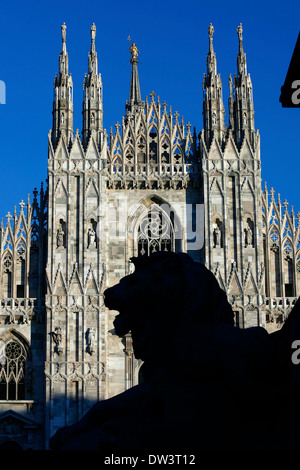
{"x": 135, "y": 101}
{"x": 211, "y": 56}
{"x": 92, "y": 110}
{"x": 213, "y": 108}
{"x": 241, "y": 108}
{"x": 241, "y": 58}
{"x": 63, "y": 97}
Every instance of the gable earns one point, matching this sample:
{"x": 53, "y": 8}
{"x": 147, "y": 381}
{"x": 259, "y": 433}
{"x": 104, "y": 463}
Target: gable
{"x": 16, "y": 421}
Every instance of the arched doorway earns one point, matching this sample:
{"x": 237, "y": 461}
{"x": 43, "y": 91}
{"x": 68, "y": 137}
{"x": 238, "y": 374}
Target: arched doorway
{"x": 10, "y": 445}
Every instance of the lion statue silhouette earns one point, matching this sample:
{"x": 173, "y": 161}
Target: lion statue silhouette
{"x": 206, "y": 384}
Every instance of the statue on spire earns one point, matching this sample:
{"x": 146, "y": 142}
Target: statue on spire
{"x": 63, "y": 32}
{"x": 240, "y": 31}
{"x": 135, "y": 92}
{"x": 211, "y": 31}
{"x": 134, "y": 51}
{"x": 93, "y": 32}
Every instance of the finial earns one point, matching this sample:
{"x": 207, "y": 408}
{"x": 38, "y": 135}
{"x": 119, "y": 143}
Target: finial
{"x": 63, "y": 32}
{"x": 35, "y": 193}
{"x": 240, "y": 31}
{"x": 211, "y": 31}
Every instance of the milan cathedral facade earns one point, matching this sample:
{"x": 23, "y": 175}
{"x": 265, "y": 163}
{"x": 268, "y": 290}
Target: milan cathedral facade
{"x": 152, "y": 184}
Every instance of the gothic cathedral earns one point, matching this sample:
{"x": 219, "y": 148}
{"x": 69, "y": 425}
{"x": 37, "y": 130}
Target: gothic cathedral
{"x": 151, "y": 184}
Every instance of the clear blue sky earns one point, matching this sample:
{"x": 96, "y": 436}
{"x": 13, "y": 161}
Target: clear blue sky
{"x": 173, "y": 42}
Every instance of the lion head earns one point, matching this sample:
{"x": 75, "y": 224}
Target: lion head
{"x": 165, "y": 303}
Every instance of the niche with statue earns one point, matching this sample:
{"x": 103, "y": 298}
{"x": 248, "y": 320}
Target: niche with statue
{"x": 92, "y": 234}
{"x": 218, "y": 233}
{"x": 248, "y": 233}
{"x": 61, "y": 234}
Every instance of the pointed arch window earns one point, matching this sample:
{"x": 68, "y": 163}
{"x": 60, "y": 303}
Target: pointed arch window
{"x": 189, "y": 152}
{"x": 155, "y": 233}
{"x": 153, "y": 145}
{"x": 129, "y": 155}
{"x": 165, "y": 146}
{"x": 141, "y": 150}
{"x": 7, "y": 274}
{"x": 177, "y": 155}
{"x": 274, "y": 238}
{"x": 12, "y": 371}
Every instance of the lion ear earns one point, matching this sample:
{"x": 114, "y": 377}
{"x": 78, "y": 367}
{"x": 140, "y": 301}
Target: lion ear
{"x": 137, "y": 261}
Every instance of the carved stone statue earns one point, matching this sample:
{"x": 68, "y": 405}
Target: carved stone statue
{"x": 63, "y": 32}
{"x": 60, "y": 237}
{"x": 91, "y": 238}
{"x": 240, "y": 32}
{"x": 91, "y": 338}
{"x": 248, "y": 236}
{"x": 180, "y": 320}
{"x": 57, "y": 338}
{"x": 214, "y": 118}
{"x": 217, "y": 237}
{"x": 93, "y": 32}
